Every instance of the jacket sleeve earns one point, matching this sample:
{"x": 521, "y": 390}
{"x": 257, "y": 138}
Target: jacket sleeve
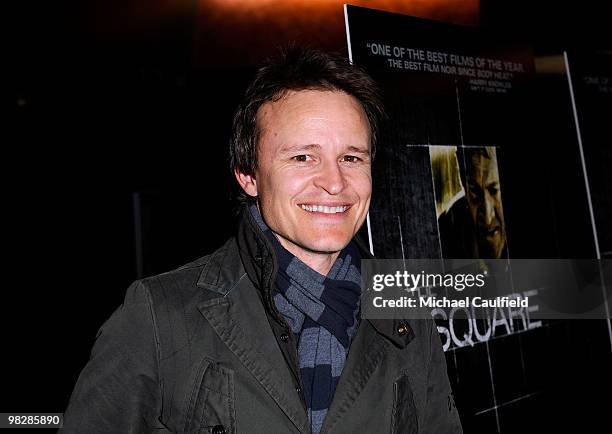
{"x": 118, "y": 390}
{"x": 441, "y": 413}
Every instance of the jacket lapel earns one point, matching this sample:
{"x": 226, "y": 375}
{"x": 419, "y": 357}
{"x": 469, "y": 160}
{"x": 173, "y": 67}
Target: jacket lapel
{"x": 241, "y": 323}
{"x": 368, "y": 350}
{"x": 365, "y": 355}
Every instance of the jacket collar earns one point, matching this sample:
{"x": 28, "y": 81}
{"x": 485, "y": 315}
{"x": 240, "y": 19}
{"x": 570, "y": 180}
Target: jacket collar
{"x": 251, "y": 253}
{"x": 223, "y": 269}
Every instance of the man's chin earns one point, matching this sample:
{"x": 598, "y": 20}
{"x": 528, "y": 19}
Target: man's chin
{"x": 325, "y": 246}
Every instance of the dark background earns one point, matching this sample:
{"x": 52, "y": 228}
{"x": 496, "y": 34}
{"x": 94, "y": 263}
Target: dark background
{"x": 115, "y": 143}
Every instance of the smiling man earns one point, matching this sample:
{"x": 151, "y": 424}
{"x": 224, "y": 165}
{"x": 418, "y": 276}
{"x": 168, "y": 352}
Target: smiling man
{"x": 264, "y": 335}
{"x": 313, "y": 179}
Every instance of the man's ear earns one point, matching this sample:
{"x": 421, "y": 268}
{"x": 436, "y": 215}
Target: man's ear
{"x": 247, "y": 182}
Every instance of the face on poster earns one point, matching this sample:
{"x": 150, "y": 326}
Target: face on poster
{"x": 469, "y": 201}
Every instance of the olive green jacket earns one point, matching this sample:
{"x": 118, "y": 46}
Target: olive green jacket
{"x": 198, "y": 350}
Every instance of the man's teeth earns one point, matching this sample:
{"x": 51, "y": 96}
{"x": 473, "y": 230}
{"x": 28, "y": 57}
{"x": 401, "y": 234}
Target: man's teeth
{"x": 324, "y": 209}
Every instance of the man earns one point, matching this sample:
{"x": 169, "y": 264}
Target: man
{"x": 473, "y": 227}
{"x": 264, "y": 335}
{"x": 484, "y": 201}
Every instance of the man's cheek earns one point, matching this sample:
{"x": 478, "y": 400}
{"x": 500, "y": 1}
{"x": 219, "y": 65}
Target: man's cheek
{"x": 363, "y": 186}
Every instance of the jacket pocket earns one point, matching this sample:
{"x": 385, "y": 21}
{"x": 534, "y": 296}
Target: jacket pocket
{"x": 210, "y": 405}
{"x": 404, "y": 417}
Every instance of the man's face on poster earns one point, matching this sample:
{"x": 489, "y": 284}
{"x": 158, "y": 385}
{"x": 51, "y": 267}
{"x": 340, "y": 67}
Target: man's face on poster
{"x": 484, "y": 202}
{"x": 313, "y": 179}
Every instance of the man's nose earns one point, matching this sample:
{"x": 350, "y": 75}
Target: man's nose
{"x": 330, "y": 178}
{"x": 489, "y": 209}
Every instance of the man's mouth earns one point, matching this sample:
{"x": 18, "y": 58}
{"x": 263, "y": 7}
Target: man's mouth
{"x": 325, "y": 209}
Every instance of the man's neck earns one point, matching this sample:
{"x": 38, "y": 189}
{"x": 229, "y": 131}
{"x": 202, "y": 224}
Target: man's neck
{"x": 318, "y": 261}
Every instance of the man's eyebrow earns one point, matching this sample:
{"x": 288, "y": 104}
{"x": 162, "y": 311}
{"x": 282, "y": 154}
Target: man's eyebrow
{"x": 316, "y": 147}
{"x": 295, "y": 148}
{"x": 358, "y": 150}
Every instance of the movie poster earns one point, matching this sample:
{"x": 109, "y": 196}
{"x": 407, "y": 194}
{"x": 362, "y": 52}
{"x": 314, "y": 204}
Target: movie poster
{"x": 590, "y": 82}
{"x": 456, "y": 175}
{"x": 475, "y": 161}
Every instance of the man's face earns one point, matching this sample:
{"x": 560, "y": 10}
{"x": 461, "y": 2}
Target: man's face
{"x": 484, "y": 200}
{"x": 313, "y": 179}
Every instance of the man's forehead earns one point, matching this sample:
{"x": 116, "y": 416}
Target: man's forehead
{"x": 313, "y": 99}
{"x": 483, "y": 169}
{"x": 314, "y": 113}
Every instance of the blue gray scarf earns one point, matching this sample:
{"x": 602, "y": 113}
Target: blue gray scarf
{"x": 322, "y": 312}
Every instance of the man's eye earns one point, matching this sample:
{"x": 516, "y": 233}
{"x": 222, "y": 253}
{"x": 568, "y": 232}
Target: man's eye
{"x": 351, "y": 159}
{"x": 301, "y": 158}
